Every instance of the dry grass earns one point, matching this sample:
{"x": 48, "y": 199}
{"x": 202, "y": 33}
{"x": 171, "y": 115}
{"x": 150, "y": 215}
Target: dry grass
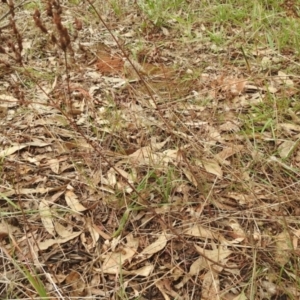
{"x": 149, "y": 150}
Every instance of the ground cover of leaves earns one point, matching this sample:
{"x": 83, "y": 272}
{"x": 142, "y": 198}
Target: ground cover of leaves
{"x": 150, "y": 150}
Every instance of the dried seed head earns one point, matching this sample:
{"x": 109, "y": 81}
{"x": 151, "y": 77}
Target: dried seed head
{"x": 37, "y": 14}
{"x": 2, "y": 50}
{"x": 53, "y": 39}
{"x": 49, "y": 9}
{"x": 78, "y": 24}
{"x": 57, "y": 21}
{"x": 38, "y": 22}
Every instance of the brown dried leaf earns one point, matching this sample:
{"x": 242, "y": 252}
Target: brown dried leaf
{"x": 61, "y": 230}
{"x": 229, "y": 151}
{"x": 230, "y": 126}
{"x": 241, "y": 296}
{"x": 164, "y": 285}
{"x": 46, "y": 216}
{"x": 210, "y": 286}
{"x": 114, "y": 261}
{"x": 75, "y": 280}
{"x": 54, "y": 165}
{"x": 218, "y": 255}
{"x": 289, "y": 127}
{"x": 286, "y": 148}
{"x": 8, "y": 101}
{"x": 73, "y": 202}
{"x": 284, "y": 248}
{"x": 233, "y": 86}
{"x": 34, "y": 191}
{"x": 241, "y": 199}
{"x": 111, "y": 177}
{"x": 158, "y": 245}
{"x": 197, "y": 266}
{"x": 11, "y": 150}
{"x": 146, "y": 155}
{"x": 239, "y": 233}
{"x": 190, "y": 176}
{"x": 213, "y": 167}
{"x": 50, "y": 242}
{"x": 143, "y": 271}
{"x": 15, "y": 148}
{"x": 93, "y": 233}
{"x": 7, "y": 229}
{"x": 101, "y": 232}
{"x": 202, "y": 232}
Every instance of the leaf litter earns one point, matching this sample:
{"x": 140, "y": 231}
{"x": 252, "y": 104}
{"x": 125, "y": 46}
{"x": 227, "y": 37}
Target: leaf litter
{"x": 167, "y": 176}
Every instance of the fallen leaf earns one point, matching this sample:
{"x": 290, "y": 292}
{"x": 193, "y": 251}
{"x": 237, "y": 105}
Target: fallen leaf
{"x": 46, "y": 216}
{"x": 289, "y": 127}
{"x": 54, "y": 165}
{"x": 111, "y": 177}
{"x": 285, "y": 79}
{"x": 164, "y": 285}
{"x": 61, "y": 230}
{"x": 190, "y": 176}
{"x": 213, "y": 167}
{"x": 228, "y": 152}
{"x": 158, "y": 245}
{"x": 8, "y": 101}
{"x": 73, "y": 202}
{"x": 34, "y": 191}
{"x": 50, "y": 242}
{"x": 101, "y": 232}
{"x": 114, "y": 261}
{"x": 202, "y": 232}
{"x": 11, "y": 150}
{"x": 230, "y": 127}
{"x": 143, "y": 271}
{"x": 296, "y": 236}
{"x": 286, "y": 148}
{"x": 269, "y": 286}
{"x": 75, "y": 280}
{"x": 217, "y": 255}
{"x": 197, "y": 266}
{"x": 93, "y": 233}
{"x": 284, "y": 248}
{"x": 210, "y": 286}
{"x": 147, "y": 154}
{"x": 239, "y": 234}
{"x": 241, "y": 199}
{"x": 7, "y": 229}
